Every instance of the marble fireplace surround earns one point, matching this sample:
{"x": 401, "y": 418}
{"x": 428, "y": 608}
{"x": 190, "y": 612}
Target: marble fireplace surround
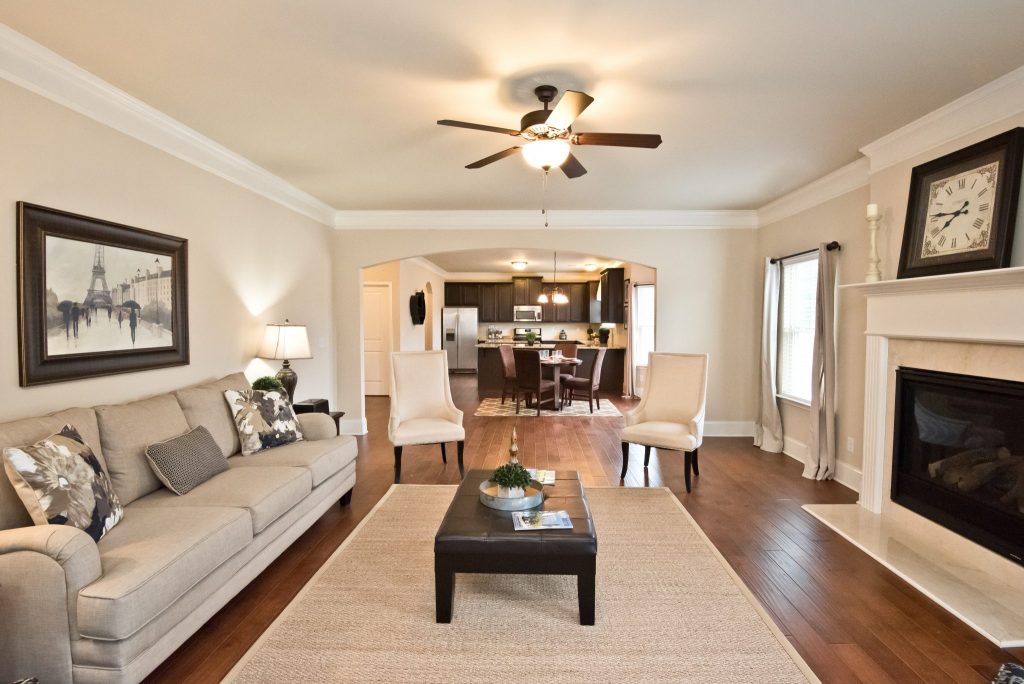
{"x": 970, "y": 323}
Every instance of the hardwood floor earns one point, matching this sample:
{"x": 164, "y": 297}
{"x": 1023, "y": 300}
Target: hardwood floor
{"x": 849, "y": 617}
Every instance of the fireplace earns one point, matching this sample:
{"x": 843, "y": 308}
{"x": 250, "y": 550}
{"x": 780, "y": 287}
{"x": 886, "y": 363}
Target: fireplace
{"x": 958, "y": 455}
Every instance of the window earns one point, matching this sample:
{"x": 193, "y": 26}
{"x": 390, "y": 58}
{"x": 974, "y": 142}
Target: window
{"x": 796, "y": 328}
{"x": 643, "y": 325}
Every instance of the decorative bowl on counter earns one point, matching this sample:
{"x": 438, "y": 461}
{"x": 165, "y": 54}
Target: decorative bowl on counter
{"x": 533, "y": 496}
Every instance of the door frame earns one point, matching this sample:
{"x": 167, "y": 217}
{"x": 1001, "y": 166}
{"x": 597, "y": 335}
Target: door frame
{"x": 390, "y": 336}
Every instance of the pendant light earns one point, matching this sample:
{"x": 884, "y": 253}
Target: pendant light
{"x": 556, "y": 295}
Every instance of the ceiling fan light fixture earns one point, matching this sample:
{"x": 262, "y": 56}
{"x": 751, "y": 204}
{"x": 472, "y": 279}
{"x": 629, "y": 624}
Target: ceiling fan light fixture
{"x": 519, "y": 265}
{"x": 546, "y": 154}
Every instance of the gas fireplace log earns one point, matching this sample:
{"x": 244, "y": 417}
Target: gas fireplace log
{"x": 966, "y": 459}
{"x": 973, "y": 477}
{"x": 1016, "y": 494}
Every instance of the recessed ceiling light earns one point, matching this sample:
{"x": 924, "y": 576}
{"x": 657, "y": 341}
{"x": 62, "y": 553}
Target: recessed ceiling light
{"x": 590, "y": 267}
{"x": 519, "y": 265}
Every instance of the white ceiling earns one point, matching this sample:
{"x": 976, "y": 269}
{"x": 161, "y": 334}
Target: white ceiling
{"x": 539, "y": 262}
{"x": 752, "y": 98}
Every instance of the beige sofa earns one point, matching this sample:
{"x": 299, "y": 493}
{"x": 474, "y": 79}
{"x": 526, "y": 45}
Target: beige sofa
{"x": 75, "y": 610}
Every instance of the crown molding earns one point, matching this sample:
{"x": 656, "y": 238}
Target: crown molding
{"x": 989, "y": 104}
{"x": 558, "y": 219}
{"x": 428, "y": 265}
{"x": 42, "y": 71}
{"x": 841, "y": 181}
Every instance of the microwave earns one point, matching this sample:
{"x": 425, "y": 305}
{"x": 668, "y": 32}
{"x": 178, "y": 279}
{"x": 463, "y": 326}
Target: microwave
{"x": 526, "y": 313}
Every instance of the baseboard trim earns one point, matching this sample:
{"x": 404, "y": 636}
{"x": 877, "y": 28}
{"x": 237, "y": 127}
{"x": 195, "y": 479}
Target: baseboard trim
{"x": 728, "y": 428}
{"x": 846, "y": 474}
{"x": 353, "y": 426}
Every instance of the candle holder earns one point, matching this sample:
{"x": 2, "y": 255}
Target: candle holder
{"x": 874, "y": 274}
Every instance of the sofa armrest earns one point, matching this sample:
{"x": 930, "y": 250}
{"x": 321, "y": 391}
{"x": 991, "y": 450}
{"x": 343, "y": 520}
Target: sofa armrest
{"x": 42, "y": 569}
{"x": 317, "y": 426}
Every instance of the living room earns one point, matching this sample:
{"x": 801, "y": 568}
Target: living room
{"x": 196, "y": 197}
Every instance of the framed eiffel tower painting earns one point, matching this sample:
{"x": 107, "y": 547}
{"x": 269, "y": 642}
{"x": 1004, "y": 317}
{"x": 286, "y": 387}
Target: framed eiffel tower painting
{"x": 97, "y": 298}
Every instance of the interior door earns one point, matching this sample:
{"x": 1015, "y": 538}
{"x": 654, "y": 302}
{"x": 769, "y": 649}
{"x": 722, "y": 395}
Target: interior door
{"x": 376, "y": 338}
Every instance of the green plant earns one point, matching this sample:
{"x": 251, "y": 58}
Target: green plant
{"x": 510, "y": 476}
{"x": 531, "y": 336}
{"x": 268, "y": 383}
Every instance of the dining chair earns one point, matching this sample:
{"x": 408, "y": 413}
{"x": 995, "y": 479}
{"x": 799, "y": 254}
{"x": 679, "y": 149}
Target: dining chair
{"x": 508, "y": 368}
{"x": 586, "y": 384}
{"x": 568, "y": 350}
{"x": 422, "y": 410}
{"x": 671, "y": 413}
{"x": 530, "y": 380}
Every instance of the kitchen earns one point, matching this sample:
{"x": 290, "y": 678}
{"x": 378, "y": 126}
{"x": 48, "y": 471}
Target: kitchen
{"x": 587, "y": 307}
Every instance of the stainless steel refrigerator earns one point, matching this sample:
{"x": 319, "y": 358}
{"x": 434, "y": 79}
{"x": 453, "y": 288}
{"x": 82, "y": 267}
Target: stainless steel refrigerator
{"x": 459, "y": 338}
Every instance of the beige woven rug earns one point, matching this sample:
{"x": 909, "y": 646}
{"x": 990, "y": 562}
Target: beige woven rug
{"x": 669, "y": 609}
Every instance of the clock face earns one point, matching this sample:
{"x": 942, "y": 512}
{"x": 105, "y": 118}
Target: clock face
{"x": 960, "y": 208}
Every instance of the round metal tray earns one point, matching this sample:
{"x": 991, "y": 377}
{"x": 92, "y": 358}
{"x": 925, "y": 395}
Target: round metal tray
{"x": 534, "y": 497}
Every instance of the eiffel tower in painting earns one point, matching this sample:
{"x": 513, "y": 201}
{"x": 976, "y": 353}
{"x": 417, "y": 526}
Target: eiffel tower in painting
{"x": 98, "y": 296}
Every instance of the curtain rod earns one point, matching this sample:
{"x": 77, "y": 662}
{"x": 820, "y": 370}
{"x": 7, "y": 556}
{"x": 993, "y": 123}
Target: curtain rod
{"x": 832, "y": 246}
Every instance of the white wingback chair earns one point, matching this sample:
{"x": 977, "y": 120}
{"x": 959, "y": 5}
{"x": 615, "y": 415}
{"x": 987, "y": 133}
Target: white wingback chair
{"x": 422, "y": 410}
{"x": 671, "y": 413}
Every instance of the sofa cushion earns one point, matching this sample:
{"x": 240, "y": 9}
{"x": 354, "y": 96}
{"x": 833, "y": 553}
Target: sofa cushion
{"x": 61, "y": 482}
{"x": 263, "y": 419}
{"x": 322, "y": 458}
{"x": 186, "y": 461}
{"x": 126, "y": 430}
{"x": 205, "y": 405}
{"x": 267, "y": 493}
{"x": 151, "y": 559}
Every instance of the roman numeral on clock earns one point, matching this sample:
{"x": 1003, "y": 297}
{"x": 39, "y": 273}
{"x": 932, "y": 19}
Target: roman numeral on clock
{"x": 962, "y": 183}
{"x": 982, "y": 191}
{"x": 984, "y": 207}
{"x": 942, "y": 241}
{"x": 954, "y": 243}
{"x": 978, "y": 223}
{"x": 949, "y": 190}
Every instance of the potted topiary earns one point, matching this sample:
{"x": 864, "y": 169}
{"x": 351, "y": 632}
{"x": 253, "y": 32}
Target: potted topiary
{"x": 512, "y": 480}
{"x": 268, "y": 383}
{"x": 531, "y": 337}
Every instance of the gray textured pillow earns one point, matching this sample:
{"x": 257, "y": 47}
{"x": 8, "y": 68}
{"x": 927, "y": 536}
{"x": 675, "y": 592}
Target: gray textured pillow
{"x": 187, "y": 461}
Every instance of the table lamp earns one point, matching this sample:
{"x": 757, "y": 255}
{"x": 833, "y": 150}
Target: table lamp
{"x": 285, "y": 341}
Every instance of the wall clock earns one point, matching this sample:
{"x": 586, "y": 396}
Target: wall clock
{"x": 963, "y": 208}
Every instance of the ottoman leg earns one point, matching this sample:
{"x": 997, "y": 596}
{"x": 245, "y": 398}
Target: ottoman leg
{"x": 444, "y": 590}
{"x": 585, "y": 589}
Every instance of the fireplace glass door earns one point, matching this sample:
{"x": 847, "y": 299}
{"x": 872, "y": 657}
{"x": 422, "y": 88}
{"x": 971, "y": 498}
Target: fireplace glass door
{"x": 958, "y": 455}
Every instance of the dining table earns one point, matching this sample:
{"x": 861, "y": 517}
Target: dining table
{"x": 553, "y": 365}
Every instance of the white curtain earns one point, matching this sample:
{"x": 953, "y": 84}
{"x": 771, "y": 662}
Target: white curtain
{"x": 768, "y": 430}
{"x": 821, "y": 451}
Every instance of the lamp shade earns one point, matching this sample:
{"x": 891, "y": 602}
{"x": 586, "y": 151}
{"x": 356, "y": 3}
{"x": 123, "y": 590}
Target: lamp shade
{"x": 285, "y": 341}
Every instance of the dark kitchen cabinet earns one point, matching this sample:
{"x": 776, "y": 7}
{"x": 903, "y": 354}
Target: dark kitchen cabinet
{"x": 613, "y": 294}
{"x": 453, "y": 294}
{"x": 488, "y": 303}
{"x": 579, "y": 303}
{"x": 503, "y": 306}
{"x": 526, "y": 290}
{"x": 462, "y": 294}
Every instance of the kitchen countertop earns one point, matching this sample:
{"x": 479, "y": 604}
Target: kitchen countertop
{"x": 540, "y": 345}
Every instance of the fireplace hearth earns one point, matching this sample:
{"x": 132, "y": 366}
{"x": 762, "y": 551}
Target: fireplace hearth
{"x": 958, "y": 455}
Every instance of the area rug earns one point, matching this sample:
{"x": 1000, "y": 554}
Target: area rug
{"x": 579, "y": 409}
{"x": 669, "y": 609}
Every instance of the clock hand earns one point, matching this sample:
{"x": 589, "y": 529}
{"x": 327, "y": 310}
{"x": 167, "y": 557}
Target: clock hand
{"x": 954, "y": 214}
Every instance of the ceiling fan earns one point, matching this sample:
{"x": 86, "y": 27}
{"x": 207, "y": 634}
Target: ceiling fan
{"x": 547, "y": 134}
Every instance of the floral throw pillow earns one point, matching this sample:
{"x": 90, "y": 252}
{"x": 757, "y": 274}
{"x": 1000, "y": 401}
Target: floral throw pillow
{"x": 263, "y": 419}
{"x": 61, "y": 482}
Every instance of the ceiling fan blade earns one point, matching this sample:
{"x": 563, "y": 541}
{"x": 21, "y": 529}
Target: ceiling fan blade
{"x": 477, "y": 127}
{"x": 618, "y": 139}
{"x": 568, "y": 108}
{"x": 493, "y": 158}
{"x": 572, "y": 168}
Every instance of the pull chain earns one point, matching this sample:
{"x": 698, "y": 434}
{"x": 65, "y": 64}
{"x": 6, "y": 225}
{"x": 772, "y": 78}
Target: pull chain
{"x": 544, "y": 196}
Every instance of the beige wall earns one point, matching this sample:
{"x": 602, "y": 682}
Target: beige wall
{"x": 414, "y": 278}
{"x": 705, "y": 281}
{"x": 839, "y": 219}
{"x": 251, "y": 261}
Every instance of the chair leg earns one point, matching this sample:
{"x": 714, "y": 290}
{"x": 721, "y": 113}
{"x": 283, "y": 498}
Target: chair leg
{"x": 460, "y": 447}
{"x": 517, "y": 402}
{"x": 502, "y": 395}
{"x": 597, "y": 397}
{"x": 696, "y": 467}
{"x": 398, "y": 464}
{"x": 686, "y": 471}
{"x": 625, "y": 460}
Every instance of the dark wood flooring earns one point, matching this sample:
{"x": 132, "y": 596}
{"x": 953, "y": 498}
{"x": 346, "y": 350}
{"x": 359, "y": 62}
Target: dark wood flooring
{"x": 849, "y": 617}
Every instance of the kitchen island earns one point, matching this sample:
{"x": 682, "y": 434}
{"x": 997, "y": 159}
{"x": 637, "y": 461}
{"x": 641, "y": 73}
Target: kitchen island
{"x": 490, "y": 374}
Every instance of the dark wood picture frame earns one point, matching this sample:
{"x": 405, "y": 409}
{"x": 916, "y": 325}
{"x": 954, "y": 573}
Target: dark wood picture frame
{"x": 34, "y": 224}
{"x": 1008, "y": 149}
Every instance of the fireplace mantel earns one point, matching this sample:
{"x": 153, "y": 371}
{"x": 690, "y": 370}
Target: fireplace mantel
{"x": 983, "y": 314}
